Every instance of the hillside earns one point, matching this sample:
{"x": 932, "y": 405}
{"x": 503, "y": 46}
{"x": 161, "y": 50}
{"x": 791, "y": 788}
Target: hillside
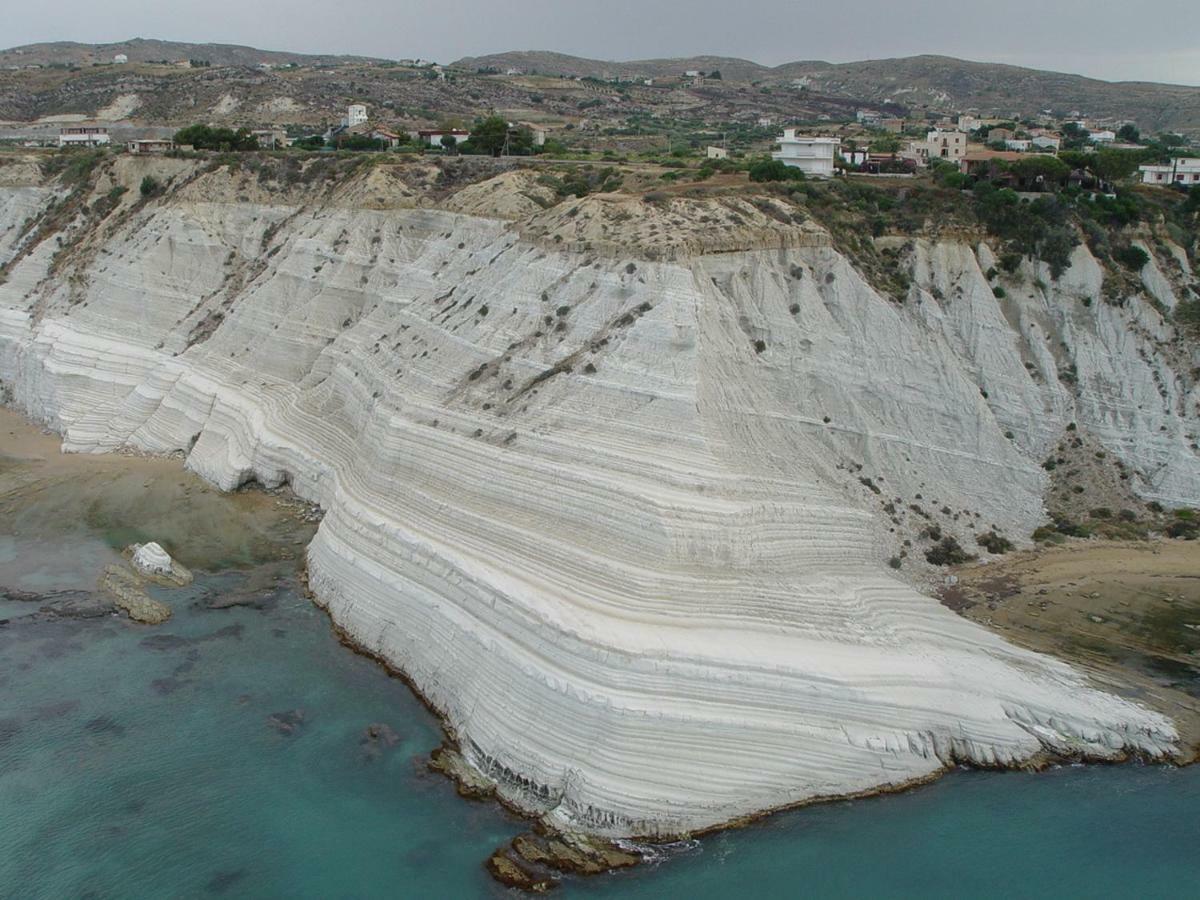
{"x": 144, "y": 50}
{"x": 918, "y": 82}
{"x": 45, "y": 81}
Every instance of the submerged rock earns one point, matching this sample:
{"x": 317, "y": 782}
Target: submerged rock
{"x": 105, "y": 725}
{"x": 376, "y": 738}
{"x": 62, "y": 604}
{"x": 78, "y": 605}
{"x": 287, "y": 722}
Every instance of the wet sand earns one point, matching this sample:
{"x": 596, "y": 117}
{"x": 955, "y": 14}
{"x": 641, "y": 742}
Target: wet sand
{"x": 1126, "y": 612}
{"x": 48, "y": 498}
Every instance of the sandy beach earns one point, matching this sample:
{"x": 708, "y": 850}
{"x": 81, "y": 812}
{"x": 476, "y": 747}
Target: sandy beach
{"x": 1127, "y": 612}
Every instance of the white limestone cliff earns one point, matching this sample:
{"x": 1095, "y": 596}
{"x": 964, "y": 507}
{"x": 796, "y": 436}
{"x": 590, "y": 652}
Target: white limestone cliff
{"x": 610, "y": 514}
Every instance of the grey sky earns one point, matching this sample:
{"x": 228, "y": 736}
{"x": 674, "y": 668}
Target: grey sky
{"x": 1090, "y": 37}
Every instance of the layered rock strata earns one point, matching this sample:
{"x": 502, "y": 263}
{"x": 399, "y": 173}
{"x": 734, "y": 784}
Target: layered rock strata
{"x": 624, "y": 522}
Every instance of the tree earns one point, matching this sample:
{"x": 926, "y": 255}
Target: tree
{"x": 885, "y": 143}
{"x": 1113, "y": 165}
{"x": 205, "y": 137}
{"x": 361, "y": 142}
{"x": 449, "y": 143}
{"x": 1132, "y": 257}
{"x": 489, "y": 135}
{"x": 1128, "y": 132}
{"x": 774, "y": 170}
{"x": 715, "y": 74}
{"x": 1039, "y": 168}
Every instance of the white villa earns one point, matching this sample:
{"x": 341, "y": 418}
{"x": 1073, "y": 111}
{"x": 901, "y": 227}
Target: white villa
{"x": 1178, "y": 171}
{"x": 355, "y": 115}
{"x": 120, "y": 59}
{"x": 716, "y": 153}
{"x": 433, "y": 136}
{"x": 811, "y": 155}
{"x": 82, "y": 136}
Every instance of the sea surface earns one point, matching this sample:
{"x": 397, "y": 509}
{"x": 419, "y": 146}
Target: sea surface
{"x": 242, "y": 751}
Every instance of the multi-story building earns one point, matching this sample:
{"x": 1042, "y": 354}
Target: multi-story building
{"x": 82, "y": 136}
{"x": 811, "y": 155}
{"x": 1184, "y": 171}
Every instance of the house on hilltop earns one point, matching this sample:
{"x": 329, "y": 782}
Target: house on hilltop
{"x": 150, "y": 145}
{"x": 1185, "y": 171}
{"x": 948, "y": 145}
{"x": 811, "y": 155}
{"x": 433, "y": 136}
{"x": 83, "y": 136}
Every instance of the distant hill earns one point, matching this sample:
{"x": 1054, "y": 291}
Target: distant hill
{"x": 549, "y": 63}
{"x": 141, "y": 50}
{"x": 921, "y": 83}
{"x": 71, "y": 79}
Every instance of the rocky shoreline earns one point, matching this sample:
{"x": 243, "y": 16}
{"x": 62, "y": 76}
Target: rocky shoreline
{"x": 541, "y": 857}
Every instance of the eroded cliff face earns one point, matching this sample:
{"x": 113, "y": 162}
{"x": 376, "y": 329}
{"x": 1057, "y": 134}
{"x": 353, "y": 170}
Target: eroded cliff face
{"x": 623, "y": 520}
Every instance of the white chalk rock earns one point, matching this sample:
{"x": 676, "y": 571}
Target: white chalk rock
{"x": 610, "y": 514}
{"x": 152, "y": 559}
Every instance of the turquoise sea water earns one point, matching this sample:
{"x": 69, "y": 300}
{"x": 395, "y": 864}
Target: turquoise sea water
{"x": 226, "y": 753}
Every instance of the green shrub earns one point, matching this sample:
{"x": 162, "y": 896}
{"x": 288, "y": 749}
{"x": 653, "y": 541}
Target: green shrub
{"x": 774, "y": 170}
{"x": 947, "y": 552}
{"x": 1131, "y": 257}
{"x": 150, "y": 186}
{"x": 994, "y": 543}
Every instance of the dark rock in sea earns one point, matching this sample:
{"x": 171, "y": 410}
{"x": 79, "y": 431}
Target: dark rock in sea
{"x": 229, "y": 631}
{"x": 78, "y": 605}
{"x": 512, "y": 872}
{"x": 105, "y": 725}
{"x": 55, "y": 710}
{"x": 287, "y": 722}
{"x": 377, "y": 738}
{"x": 223, "y": 881}
{"x": 9, "y": 729}
{"x": 58, "y": 646}
{"x": 574, "y": 853}
{"x": 189, "y": 662}
{"x": 168, "y": 685}
{"x": 536, "y": 861}
{"x": 252, "y": 599}
{"x": 20, "y": 596}
{"x": 164, "y": 642}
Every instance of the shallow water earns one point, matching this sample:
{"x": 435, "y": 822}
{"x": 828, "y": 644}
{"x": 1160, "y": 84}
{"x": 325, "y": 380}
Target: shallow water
{"x": 224, "y": 753}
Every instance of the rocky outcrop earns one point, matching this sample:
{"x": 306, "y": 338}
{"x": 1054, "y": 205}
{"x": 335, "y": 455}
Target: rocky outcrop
{"x": 622, "y": 520}
{"x": 154, "y": 563}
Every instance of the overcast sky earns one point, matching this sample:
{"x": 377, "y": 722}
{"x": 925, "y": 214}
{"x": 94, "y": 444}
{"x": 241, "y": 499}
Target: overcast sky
{"x": 1089, "y": 37}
